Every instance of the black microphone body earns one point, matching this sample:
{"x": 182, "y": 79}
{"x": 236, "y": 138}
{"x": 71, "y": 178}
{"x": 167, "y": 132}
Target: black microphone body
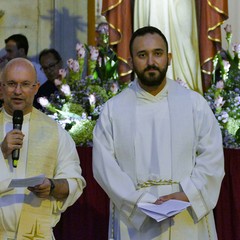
{"x": 17, "y": 124}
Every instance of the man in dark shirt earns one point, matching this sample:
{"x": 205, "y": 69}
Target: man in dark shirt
{"x": 51, "y": 62}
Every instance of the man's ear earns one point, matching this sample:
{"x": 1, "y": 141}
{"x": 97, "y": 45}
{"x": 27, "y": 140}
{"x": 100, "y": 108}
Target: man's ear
{"x": 37, "y": 87}
{"x": 169, "y": 58}
{"x": 130, "y": 63}
{"x": 21, "y": 52}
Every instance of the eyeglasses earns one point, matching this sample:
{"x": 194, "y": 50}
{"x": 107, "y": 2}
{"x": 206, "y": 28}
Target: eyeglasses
{"x": 49, "y": 67}
{"x": 25, "y": 86}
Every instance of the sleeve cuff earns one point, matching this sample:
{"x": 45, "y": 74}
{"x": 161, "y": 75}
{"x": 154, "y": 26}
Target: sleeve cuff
{"x": 137, "y": 217}
{"x": 195, "y": 198}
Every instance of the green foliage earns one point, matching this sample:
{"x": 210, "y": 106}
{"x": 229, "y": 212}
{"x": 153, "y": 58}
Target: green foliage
{"x": 224, "y": 94}
{"x": 80, "y": 99}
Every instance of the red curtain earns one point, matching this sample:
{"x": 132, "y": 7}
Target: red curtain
{"x": 119, "y": 16}
{"x": 227, "y": 211}
{"x": 211, "y": 15}
{"x": 88, "y": 218}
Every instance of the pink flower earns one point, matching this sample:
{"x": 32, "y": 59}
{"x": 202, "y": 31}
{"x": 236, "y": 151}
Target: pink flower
{"x": 94, "y": 53}
{"x": 70, "y": 62}
{"x": 75, "y": 66}
{"x": 228, "y": 28}
{"x": 62, "y": 73}
{"x": 236, "y": 49}
{"x": 103, "y": 29}
{"x": 220, "y": 84}
{"x": 81, "y": 52}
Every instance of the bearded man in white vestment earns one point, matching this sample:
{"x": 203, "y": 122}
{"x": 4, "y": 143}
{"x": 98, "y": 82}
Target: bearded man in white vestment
{"x": 32, "y": 211}
{"x": 157, "y": 141}
{"x": 177, "y": 20}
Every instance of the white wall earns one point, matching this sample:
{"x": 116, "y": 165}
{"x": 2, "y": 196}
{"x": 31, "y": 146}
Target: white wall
{"x": 234, "y": 21}
{"x": 46, "y": 23}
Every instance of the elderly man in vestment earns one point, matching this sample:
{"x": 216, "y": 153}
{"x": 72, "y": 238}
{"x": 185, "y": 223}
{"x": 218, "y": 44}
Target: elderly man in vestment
{"x": 157, "y": 141}
{"x": 45, "y": 148}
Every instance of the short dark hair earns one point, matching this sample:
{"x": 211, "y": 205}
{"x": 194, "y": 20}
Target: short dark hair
{"x": 52, "y": 51}
{"x": 20, "y": 40}
{"x": 143, "y": 31}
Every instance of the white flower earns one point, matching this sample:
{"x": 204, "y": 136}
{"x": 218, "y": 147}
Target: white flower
{"x": 66, "y": 89}
{"x": 114, "y": 88}
{"x": 237, "y": 99}
{"x": 100, "y": 61}
{"x": 43, "y": 101}
{"x": 219, "y": 102}
{"x": 226, "y": 65}
{"x": 224, "y": 117}
{"x": 92, "y": 99}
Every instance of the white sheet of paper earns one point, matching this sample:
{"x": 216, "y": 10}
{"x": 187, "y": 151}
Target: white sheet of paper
{"x": 27, "y": 182}
{"x": 164, "y": 210}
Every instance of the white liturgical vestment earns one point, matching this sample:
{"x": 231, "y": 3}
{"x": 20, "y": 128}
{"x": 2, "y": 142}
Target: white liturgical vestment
{"x": 67, "y": 167}
{"x": 148, "y": 146}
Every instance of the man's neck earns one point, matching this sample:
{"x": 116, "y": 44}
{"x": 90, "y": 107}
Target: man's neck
{"x": 153, "y": 90}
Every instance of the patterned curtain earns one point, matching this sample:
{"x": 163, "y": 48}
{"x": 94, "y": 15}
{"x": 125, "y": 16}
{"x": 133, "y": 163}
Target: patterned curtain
{"x": 119, "y": 16}
{"x": 211, "y": 15}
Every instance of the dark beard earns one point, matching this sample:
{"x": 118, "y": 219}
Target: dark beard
{"x": 152, "y": 79}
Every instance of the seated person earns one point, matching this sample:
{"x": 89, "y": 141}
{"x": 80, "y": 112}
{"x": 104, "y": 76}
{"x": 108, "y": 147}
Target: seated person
{"x": 51, "y": 62}
{"x": 17, "y": 46}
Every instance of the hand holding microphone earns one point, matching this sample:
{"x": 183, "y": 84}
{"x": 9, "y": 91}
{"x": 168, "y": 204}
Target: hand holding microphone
{"x": 13, "y": 139}
{"x": 17, "y": 124}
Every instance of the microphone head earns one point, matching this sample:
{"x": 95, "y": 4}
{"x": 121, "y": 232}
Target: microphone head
{"x": 18, "y": 117}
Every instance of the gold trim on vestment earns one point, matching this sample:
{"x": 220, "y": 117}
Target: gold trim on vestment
{"x": 150, "y": 183}
{"x": 36, "y": 216}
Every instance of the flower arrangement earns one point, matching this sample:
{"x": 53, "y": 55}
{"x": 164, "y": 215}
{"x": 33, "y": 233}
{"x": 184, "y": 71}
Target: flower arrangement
{"x": 224, "y": 94}
{"x": 84, "y": 86}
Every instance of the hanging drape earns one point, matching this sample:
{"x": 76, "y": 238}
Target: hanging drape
{"x": 211, "y": 15}
{"x": 119, "y": 16}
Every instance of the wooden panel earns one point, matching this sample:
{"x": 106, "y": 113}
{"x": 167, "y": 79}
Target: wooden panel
{"x": 91, "y": 22}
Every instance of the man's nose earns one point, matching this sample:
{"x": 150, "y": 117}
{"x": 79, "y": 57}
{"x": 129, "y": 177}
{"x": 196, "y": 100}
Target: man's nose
{"x": 150, "y": 59}
{"x": 18, "y": 89}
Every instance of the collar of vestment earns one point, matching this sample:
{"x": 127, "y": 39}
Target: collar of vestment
{"x": 181, "y": 125}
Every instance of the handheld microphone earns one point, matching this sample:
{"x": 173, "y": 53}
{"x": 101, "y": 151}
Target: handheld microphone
{"x": 17, "y": 124}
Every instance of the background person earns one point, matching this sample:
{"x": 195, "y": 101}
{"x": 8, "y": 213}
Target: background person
{"x": 51, "y": 62}
{"x": 157, "y": 141}
{"x": 17, "y": 45}
{"x": 45, "y": 148}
